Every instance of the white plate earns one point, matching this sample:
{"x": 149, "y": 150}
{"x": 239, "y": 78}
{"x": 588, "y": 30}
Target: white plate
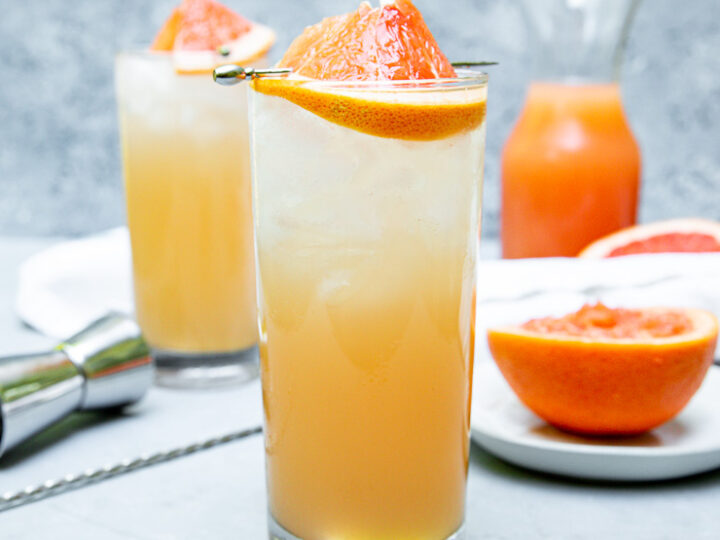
{"x": 689, "y": 444}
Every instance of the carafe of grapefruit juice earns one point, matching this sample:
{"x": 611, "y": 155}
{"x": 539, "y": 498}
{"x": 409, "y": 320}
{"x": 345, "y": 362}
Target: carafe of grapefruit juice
{"x": 571, "y": 166}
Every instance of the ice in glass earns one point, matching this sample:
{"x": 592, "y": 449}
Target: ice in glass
{"x": 366, "y": 215}
{"x": 187, "y": 179}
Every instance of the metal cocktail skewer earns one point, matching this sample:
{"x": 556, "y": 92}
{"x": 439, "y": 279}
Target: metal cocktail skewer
{"x": 93, "y": 476}
{"x": 474, "y": 64}
{"x": 230, "y": 74}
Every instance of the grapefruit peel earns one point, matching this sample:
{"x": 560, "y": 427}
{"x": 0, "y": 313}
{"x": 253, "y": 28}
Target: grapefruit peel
{"x": 379, "y": 112}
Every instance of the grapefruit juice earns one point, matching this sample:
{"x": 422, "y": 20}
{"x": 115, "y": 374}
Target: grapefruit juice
{"x": 570, "y": 170}
{"x": 187, "y": 181}
{"x": 366, "y": 251}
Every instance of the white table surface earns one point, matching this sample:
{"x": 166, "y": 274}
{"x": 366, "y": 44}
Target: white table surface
{"x": 219, "y": 493}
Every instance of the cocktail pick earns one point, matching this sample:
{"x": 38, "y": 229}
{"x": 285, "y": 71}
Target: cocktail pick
{"x": 481, "y": 63}
{"x": 230, "y": 74}
{"x": 88, "y": 477}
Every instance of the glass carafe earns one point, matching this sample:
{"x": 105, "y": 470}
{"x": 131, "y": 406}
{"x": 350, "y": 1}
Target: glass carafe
{"x": 571, "y": 166}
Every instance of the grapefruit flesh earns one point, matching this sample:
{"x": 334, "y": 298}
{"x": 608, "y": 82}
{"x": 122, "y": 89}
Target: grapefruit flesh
{"x": 672, "y": 236}
{"x": 197, "y": 31}
{"x": 388, "y": 43}
{"x": 200, "y": 25}
{"x": 603, "y": 371}
{"x": 601, "y": 322}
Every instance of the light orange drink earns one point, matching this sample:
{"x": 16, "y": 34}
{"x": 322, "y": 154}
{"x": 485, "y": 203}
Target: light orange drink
{"x": 366, "y": 212}
{"x": 187, "y": 179}
{"x": 187, "y": 185}
{"x": 570, "y": 170}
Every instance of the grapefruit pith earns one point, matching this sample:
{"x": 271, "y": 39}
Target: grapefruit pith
{"x": 604, "y": 371}
{"x": 689, "y": 235}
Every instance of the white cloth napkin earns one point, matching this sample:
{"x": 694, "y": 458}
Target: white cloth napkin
{"x": 67, "y": 286}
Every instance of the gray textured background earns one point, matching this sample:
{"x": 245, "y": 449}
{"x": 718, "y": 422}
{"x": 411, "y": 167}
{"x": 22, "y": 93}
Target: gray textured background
{"x": 59, "y": 156}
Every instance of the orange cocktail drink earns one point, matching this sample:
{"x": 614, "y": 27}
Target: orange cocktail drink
{"x": 366, "y": 213}
{"x": 187, "y": 179}
{"x": 189, "y": 209}
{"x": 571, "y": 170}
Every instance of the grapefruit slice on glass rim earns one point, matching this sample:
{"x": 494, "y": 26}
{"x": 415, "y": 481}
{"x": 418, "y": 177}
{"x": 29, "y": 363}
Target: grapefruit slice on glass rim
{"x": 203, "y": 34}
{"x": 690, "y": 235}
{"x": 604, "y": 371}
{"x": 390, "y": 43}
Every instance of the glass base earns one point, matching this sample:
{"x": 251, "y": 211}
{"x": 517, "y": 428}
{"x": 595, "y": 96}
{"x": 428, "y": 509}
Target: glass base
{"x": 205, "y": 370}
{"x": 277, "y": 532}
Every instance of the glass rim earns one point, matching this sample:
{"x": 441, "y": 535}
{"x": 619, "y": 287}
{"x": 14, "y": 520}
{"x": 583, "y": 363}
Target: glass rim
{"x": 142, "y": 51}
{"x": 466, "y": 79}
{"x": 146, "y": 55}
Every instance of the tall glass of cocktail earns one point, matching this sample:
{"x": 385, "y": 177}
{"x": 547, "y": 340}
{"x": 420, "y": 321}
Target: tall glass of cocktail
{"x": 366, "y": 213}
{"x": 187, "y": 180}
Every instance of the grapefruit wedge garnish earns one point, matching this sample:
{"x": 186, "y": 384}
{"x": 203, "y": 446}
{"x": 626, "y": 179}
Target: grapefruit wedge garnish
{"x": 387, "y": 43}
{"x": 606, "y": 371}
{"x": 203, "y": 34}
{"x": 690, "y": 235}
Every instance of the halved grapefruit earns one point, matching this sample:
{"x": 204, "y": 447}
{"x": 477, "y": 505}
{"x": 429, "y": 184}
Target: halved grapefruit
{"x": 203, "y": 34}
{"x": 691, "y": 235}
{"x": 387, "y": 43}
{"x": 604, "y": 371}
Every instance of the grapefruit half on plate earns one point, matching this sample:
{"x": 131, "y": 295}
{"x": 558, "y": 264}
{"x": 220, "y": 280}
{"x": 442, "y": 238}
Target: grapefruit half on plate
{"x": 605, "y": 371}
